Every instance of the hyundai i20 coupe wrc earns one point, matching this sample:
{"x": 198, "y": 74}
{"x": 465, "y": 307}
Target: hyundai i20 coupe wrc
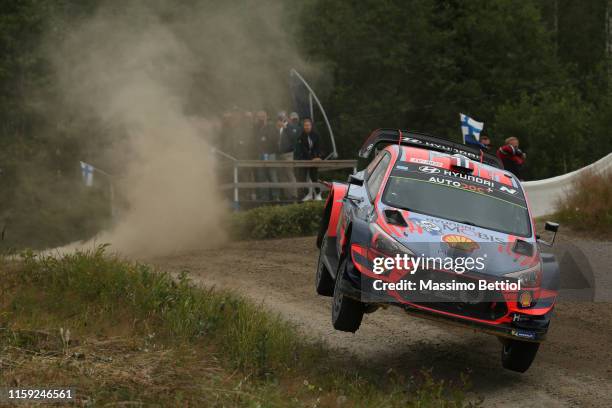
{"x": 421, "y": 199}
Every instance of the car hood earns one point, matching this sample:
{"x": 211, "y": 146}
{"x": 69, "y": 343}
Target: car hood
{"x": 433, "y": 237}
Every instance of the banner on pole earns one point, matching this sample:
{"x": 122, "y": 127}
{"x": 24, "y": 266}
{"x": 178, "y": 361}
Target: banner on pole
{"x": 87, "y": 171}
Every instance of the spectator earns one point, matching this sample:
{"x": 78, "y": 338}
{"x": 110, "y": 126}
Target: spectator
{"x": 294, "y": 123}
{"x": 266, "y": 143}
{"x": 242, "y": 139}
{"x": 289, "y": 131}
{"x": 511, "y": 156}
{"x": 485, "y": 142}
{"x": 307, "y": 148}
{"x": 282, "y": 116}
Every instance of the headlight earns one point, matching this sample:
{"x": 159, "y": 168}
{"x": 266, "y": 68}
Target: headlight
{"x": 529, "y": 278}
{"x": 383, "y": 242}
{"x": 384, "y": 246}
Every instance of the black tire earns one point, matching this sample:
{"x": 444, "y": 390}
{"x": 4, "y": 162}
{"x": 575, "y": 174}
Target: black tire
{"x": 518, "y": 355}
{"x": 324, "y": 283}
{"x": 347, "y": 313}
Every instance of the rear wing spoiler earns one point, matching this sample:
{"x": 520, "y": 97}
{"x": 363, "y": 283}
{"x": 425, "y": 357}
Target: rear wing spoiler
{"x": 384, "y": 137}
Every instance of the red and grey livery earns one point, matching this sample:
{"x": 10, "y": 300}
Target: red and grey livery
{"x": 425, "y": 196}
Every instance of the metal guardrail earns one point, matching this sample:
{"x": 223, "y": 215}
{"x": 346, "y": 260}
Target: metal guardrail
{"x": 322, "y": 165}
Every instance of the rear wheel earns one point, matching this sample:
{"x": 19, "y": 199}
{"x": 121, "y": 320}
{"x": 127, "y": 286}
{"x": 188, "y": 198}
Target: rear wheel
{"x": 518, "y": 355}
{"x": 347, "y": 313}
{"x": 323, "y": 281}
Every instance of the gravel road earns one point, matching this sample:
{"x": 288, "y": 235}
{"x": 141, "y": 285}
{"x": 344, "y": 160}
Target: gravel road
{"x": 572, "y": 369}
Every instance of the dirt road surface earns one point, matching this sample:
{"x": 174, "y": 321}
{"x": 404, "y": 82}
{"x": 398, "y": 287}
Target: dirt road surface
{"x": 572, "y": 369}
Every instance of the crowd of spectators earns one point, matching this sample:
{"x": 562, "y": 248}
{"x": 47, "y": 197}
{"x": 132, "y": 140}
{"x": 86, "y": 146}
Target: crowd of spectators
{"x": 248, "y": 136}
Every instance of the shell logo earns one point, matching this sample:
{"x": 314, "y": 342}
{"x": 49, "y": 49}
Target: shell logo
{"x": 460, "y": 242}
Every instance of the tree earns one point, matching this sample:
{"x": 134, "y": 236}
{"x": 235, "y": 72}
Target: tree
{"x": 417, "y": 65}
{"x": 553, "y": 127}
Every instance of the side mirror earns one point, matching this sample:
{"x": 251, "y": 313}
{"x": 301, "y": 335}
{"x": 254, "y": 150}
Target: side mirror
{"x": 355, "y": 180}
{"x": 551, "y": 227}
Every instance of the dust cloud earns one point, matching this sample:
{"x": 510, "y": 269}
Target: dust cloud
{"x": 154, "y": 75}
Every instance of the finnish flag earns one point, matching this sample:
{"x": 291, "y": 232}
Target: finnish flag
{"x": 87, "y": 171}
{"x": 470, "y": 129}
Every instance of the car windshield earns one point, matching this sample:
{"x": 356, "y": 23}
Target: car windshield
{"x": 458, "y": 204}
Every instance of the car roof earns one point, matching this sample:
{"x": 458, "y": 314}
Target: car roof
{"x": 384, "y": 137}
{"x": 447, "y": 161}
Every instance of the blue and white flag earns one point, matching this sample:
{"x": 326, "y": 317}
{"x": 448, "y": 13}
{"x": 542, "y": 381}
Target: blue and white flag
{"x": 471, "y": 130}
{"x": 87, "y": 170}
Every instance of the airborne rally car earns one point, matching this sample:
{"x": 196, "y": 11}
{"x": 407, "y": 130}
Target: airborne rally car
{"x": 442, "y": 231}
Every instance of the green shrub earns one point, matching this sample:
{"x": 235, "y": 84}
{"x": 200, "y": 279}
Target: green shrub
{"x": 278, "y": 221}
{"x": 588, "y": 205}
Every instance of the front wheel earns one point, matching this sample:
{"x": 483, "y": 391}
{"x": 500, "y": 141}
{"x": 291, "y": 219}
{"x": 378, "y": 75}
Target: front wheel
{"x": 347, "y": 313}
{"x": 518, "y": 355}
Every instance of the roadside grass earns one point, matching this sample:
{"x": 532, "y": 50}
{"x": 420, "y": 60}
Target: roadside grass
{"x": 123, "y": 333}
{"x": 279, "y": 221}
{"x": 587, "y": 207}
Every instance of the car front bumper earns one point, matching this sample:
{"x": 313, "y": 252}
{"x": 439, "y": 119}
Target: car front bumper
{"x": 513, "y": 325}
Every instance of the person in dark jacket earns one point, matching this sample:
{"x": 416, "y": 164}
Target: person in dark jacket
{"x": 307, "y": 148}
{"x": 512, "y": 157}
{"x": 485, "y": 142}
{"x": 289, "y": 132}
{"x": 266, "y": 145}
{"x": 289, "y": 135}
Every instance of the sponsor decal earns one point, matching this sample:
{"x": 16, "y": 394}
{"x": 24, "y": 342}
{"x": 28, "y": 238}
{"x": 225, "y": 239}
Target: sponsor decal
{"x": 429, "y": 169}
{"x": 454, "y": 178}
{"x": 507, "y": 190}
{"x": 457, "y": 179}
{"x": 458, "y": 184}
{"x": 423, "y": 161}
{"x": 411, "y": 140}
{"x": 524, "y": 334}
{"x": 452, "y": 226}
{"x": 519, "y": 318}
{"x": 468, "y": 177}
{"x": 428, "y": 226}
{"x": 438, "y": 146}
{"x": 461, "y": 242}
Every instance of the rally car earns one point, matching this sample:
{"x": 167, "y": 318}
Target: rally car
{"x": 425, "y": 197}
